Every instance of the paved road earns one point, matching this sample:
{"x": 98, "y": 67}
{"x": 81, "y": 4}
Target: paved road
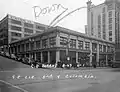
{"x": 16, "y": 77}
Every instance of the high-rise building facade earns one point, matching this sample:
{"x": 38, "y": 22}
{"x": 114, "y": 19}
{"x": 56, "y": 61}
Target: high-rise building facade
{"x": 14, "y": 28}
{"x": 103, "y": 22}
{"x": 102, "y": 19}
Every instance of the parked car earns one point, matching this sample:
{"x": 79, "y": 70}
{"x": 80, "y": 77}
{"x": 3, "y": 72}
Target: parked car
{"x": 27, "y": 60}
{"x": 12, "y": 56}
{"x": 19, "y": 58}
{"x": 7, "y": 54}
{"x": 2, "y": 53}
{"x": 36, "y": 64}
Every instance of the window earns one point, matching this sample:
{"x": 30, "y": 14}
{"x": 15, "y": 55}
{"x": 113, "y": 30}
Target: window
{"x": 72, "y": 43}
{"x": 27, "y": 46}
{"x": 99, "y": 26}
{"x": 110, "y": 7}
{"x": 15, "y": 22}
{"x": 110, "y": 33}
{"x": 110, "y": 14}
{"x": 28, "y": 25}
{"x": 92, "y": 33}
{"x": 44, "y": 43}
{"x": 52, "y": 41}
{"x": 110, "y": 39}
{"x": 63, "y": 41}
{"x": 80, "y": 44}
{"x": 13, "y": 39}
{"x": 40, "y": 27}
{"x": 110, "y": 26}
{"x": 94, "y": 46}
{"x": 103, "y": 10}
{"x": 110, "y": 20}
{"x": 38, "y": 44}
{"x": 87, "y": 45}
{"x": 32, "y": 45}
{"x": 100, "y": 47}
{"x": 15, "y": 34}
{"x": 28, "y": 30}
{"x": 38, "y": 31}
{"x": 104, "y": 48}
{"x": 25, "y": 35}
{"x": 108, "y": 48}
{"x": 15, "y": 28}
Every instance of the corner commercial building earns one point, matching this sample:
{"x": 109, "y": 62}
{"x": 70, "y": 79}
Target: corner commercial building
{"x": 59, "y": 43}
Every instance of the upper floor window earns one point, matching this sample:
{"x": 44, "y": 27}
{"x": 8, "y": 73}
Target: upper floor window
{"x": 44, "y": 43}
{"x": 28, "y": 30}
{"x": 110, "y": 39}
{"x": 15, "y": 22}
{"x": 52, "y": 41}
{"x": 72, "y": 43}
{"x": 15, "y": 34}
{"x": 28, "y": 25}
{"x": 87, "y": 45}
{"x": 15, "y": 28}
{"x": 110, "y": 20}
{"x": 110, "y": 14}
{"x": 40, "y": 27}
{"x": 110, "y": 33}
{"x": 103, "y": 10}
{"x": 63, "y": 41}
{"x": 80, "y": 44}
{"x": 110, "y": 26}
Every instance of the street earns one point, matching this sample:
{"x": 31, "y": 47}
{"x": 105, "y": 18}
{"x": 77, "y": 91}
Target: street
{"x": 17, "y": 77}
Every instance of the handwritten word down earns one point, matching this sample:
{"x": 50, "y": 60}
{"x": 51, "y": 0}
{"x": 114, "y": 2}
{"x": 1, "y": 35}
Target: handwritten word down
{"x": 54, "y": 7}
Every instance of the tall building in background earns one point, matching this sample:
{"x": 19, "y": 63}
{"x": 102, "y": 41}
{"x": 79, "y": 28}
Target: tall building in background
{"x": 103, "y": 22}
{"x": 14, "y": 28}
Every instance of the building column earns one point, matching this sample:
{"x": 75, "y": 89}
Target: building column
{"x": 48, "y": 56}
{"x": 35, "y": 55}
{"x": 97, "y": 54}
{"x": 106, "y": 57}
{"x": 41, "y": 55}
{"x": 90, "y": 53}
{"x": 57, "y": 56}
{"x": 57, "y": 40}
{"x": 76, "y": 57}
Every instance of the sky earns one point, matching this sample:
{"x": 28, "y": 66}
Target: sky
{"x": 47, "y": 10}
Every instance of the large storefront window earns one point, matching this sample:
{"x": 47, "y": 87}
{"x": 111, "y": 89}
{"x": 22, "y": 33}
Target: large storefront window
{"x": 32, "y": 45}
{"x": 87, "y": 45}
{"x": 27, "y": 46}
{"x": 80, "y": 44}
{"x": 104, "y": 48}
{"x": 52, "y": 41}
{"x": 38, "y": 56}
{"x": 63, "y": 41}
{"x": 72, "y": 43}
{"x": 44, "y": 43}
{"x": 37, "y": 44}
